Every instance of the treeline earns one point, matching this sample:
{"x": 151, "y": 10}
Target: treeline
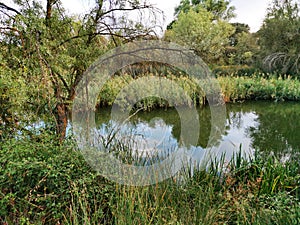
{"x": 204, "y": 27}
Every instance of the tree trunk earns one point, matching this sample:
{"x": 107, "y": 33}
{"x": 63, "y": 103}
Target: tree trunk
{"x": 49, "y": 6}
{"x": 62, "y": 120}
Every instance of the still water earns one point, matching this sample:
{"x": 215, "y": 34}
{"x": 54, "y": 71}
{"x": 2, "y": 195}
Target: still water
{"x": 265, "y": 128}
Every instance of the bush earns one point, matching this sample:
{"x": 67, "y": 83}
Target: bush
{"x": 44, "y": 183}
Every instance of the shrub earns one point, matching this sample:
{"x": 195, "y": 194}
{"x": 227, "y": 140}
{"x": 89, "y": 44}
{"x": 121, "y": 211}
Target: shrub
{"x": 44, "y": 183}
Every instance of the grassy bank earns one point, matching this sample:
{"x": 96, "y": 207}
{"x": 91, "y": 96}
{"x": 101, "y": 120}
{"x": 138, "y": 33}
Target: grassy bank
{"x": 41, "y": 183}
{"x": 234, "y": 88}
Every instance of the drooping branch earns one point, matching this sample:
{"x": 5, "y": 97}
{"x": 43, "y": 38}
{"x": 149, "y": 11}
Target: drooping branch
{"x": 108, "y": 32}
{"x": 98, "y": 14}
{"x": 102, "y": 15}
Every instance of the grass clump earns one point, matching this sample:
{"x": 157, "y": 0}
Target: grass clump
{"x": 240, "y": 196}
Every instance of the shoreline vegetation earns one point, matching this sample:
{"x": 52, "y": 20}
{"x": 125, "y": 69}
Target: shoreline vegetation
{"x": 41, "y": 183}
{"x": 234, "y": 88}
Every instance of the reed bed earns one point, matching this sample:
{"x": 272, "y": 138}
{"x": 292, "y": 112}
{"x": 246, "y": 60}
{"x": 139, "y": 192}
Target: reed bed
{"x": 258, "y": 86}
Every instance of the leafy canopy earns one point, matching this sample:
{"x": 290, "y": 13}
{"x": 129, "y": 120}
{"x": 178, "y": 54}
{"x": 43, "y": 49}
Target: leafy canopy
{"x": 201, "y": 33}
{"x": 220, "y": 9}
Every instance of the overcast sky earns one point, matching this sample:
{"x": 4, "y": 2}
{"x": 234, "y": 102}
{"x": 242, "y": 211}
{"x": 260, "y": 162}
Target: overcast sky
{"x": 250, "y": 12}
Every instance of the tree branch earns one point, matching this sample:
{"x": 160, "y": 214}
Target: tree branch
{"x": 127, "y": 9}
{"x": 3, "y": 6}
{"x": 16, "y": 30}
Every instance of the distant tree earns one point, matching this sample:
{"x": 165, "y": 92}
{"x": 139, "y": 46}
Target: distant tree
{"x": 201, "y": 33}
{"x": 246, "y": 48}
{"x": 243, "y": 46}
{"x": 280, "y": 37}
{"x": 220, "y": 9}
{"x": 239, "y": 28}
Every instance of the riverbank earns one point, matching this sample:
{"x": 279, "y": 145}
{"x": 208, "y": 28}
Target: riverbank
{"x": 42, "y": 183}
{"x": 258, "y": 86}
{"x": 45, "y": 183}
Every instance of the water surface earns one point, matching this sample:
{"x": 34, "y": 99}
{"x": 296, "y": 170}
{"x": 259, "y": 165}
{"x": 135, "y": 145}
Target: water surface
{"x": 266, "y": 128}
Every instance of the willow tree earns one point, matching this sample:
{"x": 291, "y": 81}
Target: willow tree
{"x": 51, "y": 50}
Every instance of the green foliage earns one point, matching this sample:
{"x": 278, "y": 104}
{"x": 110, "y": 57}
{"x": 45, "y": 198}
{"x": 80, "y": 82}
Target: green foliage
{"x": 243, "y": 47}
{"x": 219, "y": 8}
{"x": 234, "y": 70}
{"x": 198, "y": 31}
{"x": 280, "y": 30}
{"x": 111, "y": 89}
{"x": 41, "y": 183}
{"x": 237, "y": 198}
{"x": 239, "y": 28}
{"x": 43, "y": 57}
{"x": 46, "y": 184}
{"x": 13, "y": 98}
{"x": 280, "y": 37}
{"x": 245, "y": 50}
{"x": 259, "y": 87}
{"x": 237, "y": 83}
{"x": 49, "y": 51}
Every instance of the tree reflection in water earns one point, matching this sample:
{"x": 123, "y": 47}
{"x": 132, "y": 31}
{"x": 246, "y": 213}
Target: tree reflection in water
{"x": 264, "y": 127}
